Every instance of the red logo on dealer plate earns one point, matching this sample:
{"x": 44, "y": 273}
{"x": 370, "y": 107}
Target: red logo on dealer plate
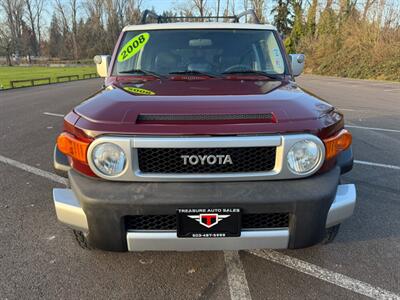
{"x": 208, "y": 220}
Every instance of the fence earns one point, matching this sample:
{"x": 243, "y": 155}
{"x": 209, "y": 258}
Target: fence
{"x": 31, "y": 81}
{"x": 69, "y": 77}
{"x": 85, "y": 76}
{"x": 66, "y": 78}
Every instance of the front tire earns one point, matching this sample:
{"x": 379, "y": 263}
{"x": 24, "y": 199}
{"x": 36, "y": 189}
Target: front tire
{"x": 81, "y": 239}
{"x": 330, "y": 234}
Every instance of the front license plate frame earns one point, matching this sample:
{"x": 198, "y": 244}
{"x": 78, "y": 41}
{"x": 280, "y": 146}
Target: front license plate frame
{"x": 208, "y": 222}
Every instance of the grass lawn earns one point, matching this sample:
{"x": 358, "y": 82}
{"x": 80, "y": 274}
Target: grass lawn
{"x": 19, "y": 73}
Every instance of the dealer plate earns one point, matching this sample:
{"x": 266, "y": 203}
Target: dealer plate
{"x": 208, "y": 222}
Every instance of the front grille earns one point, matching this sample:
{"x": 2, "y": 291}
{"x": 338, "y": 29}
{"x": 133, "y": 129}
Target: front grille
{"x": 273, "y": 220}
{"x": 151, "y": 222}
{"x": 168, "y": 222}
{"x": 244, "y": 159}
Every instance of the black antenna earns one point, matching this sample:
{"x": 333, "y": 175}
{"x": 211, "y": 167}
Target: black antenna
{"x": 161, "y": 19}
{"x": 248, "y": 12}
{"x": 150, "y": 13}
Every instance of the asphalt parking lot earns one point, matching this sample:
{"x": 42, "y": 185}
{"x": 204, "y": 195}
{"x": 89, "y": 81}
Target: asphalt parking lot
{"x": 40, "y": 259}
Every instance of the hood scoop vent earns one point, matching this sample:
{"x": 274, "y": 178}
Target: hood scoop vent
{"x": 207, "y": 118}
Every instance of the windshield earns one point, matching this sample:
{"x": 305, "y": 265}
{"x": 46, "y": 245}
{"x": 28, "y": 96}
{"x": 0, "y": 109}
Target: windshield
{"x": 211, "y": 52}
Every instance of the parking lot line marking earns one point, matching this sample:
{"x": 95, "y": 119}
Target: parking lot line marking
{"x": 53, "y": 114}
{"x": 238, "y": 287}
{"x": 392, "y": 90}
{"x": 33, "y": 170}
{"x": 335, "y": 278}
{"x": 372, "y": 128}
{"x": 346, "y": 109}
{"x": 367, "y": 163}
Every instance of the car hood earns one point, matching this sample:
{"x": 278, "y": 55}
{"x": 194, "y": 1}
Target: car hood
{"x": 119, "y": 108}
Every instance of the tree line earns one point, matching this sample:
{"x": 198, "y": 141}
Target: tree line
{"x": 348, "y": 38}
{"x": 78, "y": 29}
{"x": 334, "y": 34}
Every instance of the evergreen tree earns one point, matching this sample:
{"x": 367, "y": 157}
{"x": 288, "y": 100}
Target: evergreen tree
{"x": 327, "y": 21}
{"x": 298, "y": 28}
{"x": 282, "y": 18}
{"x": 312, "y": 18}
{"x": 56, "y": 40}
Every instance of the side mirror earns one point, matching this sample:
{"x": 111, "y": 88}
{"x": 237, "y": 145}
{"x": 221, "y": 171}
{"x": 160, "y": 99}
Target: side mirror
{"x": 102, "y": 63}
{"x": 297, "y": 62}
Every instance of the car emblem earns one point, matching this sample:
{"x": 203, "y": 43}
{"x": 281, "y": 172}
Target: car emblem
{"x": 207, "y": 159}
{"x": 208, "y": 220}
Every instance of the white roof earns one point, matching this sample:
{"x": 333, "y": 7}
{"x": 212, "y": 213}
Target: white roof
{"x": 200, "y": 25}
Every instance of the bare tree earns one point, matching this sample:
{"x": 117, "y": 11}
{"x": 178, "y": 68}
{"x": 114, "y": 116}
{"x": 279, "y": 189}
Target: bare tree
{"x": 346, "y": 9}
{"x": 95, "y": 11}
{"x": 74, "y": 12}
{"x": 259, "y": 8}
{"x": 232, "y": 8}
{"x": 328, "y": 4}
{"x": 68, "y": 16}
{"x": 226, "y": 10}
{"x": 133, "y": 11}
{"x": 113, "y": 13}
{"x": 14, "y": 10}
{"x": 34, "y": 10}
{"x": 367, "y": 6}
{"x": 245, "y": 7}
{"x": 201, "y": 7}
{"x": 218, "y": 8}
{"x": 6, "y": 43}
{"x": 192, "y": 8}
{"x": 39, "y": 13}
{"x": 32, "y": 20}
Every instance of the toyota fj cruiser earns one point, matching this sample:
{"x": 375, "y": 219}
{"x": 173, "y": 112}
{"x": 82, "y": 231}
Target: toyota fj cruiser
{"x": 201, "y": 140}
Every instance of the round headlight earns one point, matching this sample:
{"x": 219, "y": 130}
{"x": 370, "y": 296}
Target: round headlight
{"x": 303, "y": 157}
{"x": 109, "y": 159}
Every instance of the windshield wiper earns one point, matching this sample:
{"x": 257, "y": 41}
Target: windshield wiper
{"x": 140, "y": 71}
{"x": 262, "y": 73}
{"x": 191, "y": 72}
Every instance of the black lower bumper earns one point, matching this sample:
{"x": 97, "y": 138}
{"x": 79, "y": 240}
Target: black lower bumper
{"x": 107, "y": 203}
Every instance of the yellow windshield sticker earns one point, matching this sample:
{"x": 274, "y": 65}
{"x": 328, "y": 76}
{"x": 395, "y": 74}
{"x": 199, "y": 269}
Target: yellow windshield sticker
{"x": 138, "y": 91}
{"x": 133, "y": 46}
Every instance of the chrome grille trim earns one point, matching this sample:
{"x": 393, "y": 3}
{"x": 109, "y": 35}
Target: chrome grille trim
{"x": 207, "y": 142}
{"x": 130, "y": 144}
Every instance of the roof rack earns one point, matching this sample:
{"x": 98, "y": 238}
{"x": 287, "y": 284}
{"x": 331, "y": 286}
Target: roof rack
{"x": 162, "y": 19}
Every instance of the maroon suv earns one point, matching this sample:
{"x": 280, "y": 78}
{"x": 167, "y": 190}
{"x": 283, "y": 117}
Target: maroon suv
{"x": 201, "y": 140}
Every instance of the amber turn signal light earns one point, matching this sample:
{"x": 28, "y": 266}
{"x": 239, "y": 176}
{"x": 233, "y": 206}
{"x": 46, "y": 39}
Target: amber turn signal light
{"x": 338, "y": 143}
{"x": 71, "y": 146}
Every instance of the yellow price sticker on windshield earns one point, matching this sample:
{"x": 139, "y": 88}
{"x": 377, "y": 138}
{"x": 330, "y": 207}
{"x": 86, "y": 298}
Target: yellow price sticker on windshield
{"x": 138, "y": 91}
{"x": 133, "y": 46}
